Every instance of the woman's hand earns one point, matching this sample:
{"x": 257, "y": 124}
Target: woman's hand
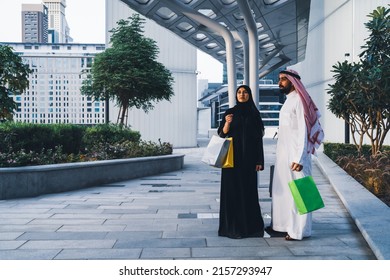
{"x": 229, "y": 118}
{"x": 259, "y": 167}
{"x": 228, "y": 121}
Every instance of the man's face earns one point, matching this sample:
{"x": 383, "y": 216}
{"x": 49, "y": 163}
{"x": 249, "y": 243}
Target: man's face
{"x": 285, "y": 85}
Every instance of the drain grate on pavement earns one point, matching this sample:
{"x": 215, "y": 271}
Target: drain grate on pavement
{"x": 160, "y": 191}
{"x": 206, "y": 181}
{"x": 198, "y": 215}
{"x": 187, "y": 216}
{"x": 161, "y": 185}
{"x": 160, "y": 179}
{"x": 111, "y": 186}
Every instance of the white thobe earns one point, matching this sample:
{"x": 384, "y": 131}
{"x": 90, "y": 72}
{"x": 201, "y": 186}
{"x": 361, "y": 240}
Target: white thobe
{"x": 291, "y": 147}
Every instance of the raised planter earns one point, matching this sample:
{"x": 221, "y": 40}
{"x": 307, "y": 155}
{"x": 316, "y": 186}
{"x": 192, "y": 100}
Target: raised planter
{"x": 370, "y": 214}
{"x": 29, "y": 181}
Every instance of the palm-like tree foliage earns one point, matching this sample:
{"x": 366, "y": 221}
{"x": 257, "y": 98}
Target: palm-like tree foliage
{"x": 361, "y": 92}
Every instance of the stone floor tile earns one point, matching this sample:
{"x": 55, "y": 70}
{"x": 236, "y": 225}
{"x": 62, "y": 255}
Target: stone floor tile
{"x": 99, "y": 254}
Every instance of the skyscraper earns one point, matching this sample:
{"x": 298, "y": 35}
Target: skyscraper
{"x": 34, "y": 23}
{"x": 53, "y": 95}
{"x": 57, "y": 24}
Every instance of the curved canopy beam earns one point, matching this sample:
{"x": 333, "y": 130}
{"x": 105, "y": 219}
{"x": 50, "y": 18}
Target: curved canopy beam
{"x": 277, "y": 31}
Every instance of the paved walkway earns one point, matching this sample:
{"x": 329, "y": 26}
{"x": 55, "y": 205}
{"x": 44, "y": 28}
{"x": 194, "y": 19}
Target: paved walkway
{"x": 169, "y": 216}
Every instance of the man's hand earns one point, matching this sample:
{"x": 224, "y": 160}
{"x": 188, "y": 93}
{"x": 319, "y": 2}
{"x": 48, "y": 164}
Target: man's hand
{"x": 296, "y": 166}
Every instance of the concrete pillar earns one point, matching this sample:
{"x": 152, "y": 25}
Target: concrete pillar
{"x": 253, "y": 49}
{"x": 222, "y": 31}
{"x": 243, "y": 38}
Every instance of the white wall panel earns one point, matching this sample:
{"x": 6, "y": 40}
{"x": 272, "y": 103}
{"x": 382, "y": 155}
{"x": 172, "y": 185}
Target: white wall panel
{"x": 175, "y": 121}
{"x": 336, "y": 27}
{"x": 204, "y": 121}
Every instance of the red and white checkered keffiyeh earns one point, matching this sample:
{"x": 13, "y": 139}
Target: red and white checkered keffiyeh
{"x": 314, "y": 130}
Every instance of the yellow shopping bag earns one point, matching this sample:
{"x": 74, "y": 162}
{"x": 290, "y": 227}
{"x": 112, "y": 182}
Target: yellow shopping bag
{"x": 229, "y": 160}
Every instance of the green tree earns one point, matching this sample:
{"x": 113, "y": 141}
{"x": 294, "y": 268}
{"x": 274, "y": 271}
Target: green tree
{"x": 13, "y": 80}
{"x": 360, "y": 94}
{"x": 128, "y": 72}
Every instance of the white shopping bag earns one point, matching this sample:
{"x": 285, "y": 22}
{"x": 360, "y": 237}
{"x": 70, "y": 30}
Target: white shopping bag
{"x": 216, "y": 151}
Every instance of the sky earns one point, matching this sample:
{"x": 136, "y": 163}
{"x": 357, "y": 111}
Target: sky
{"x": 86, "y": 26}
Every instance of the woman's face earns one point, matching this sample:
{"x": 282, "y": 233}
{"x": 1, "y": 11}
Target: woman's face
{"x": 242, "y": 95}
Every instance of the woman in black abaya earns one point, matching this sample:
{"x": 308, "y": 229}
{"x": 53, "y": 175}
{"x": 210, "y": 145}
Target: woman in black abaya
{"x": 240, "y": 214}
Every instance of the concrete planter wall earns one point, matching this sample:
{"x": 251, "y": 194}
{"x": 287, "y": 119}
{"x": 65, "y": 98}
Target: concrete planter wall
{"x": 370, "y": 214}
{"x": 18, "y": 182}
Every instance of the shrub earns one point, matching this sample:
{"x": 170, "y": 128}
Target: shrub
{"x": 148, "y": 148}
{"x": 69, "y": 137}
{"x": 37, "y": 137}
{"x": 335, "y": 150}
{"x": 23, "y": 144}
{"x": 373, "y": 172}
{"x": 128, "y": 149}
{"x": 108, "y": 134}
{"x": 25, "y": 136}
{"x": 24, "y": 158}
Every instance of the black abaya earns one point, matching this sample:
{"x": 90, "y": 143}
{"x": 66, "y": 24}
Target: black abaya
{"x": 240, "y": 213}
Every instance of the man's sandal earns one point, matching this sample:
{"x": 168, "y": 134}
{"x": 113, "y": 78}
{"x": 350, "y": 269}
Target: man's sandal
{"x": 289, "y": 238}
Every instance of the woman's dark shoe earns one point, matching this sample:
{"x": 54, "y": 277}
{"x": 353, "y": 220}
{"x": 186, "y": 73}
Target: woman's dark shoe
{"x": 236, "y": 237}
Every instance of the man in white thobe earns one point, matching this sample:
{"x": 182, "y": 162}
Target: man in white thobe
{"x": 299, "y": 135}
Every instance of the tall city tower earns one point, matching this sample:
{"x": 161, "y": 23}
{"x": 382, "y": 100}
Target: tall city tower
{"x": 34, "y": 23}
{"x": 57, "y": 24}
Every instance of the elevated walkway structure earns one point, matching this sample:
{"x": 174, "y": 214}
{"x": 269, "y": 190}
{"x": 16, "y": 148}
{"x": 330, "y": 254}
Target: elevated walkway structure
{"x": 251, "y": 37}
{"x": 270, "y": 103}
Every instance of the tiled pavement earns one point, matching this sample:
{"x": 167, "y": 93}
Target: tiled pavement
{"x": 169, "y": 216}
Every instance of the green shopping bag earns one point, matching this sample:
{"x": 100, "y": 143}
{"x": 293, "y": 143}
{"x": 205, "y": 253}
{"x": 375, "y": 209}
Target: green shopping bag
{"x": 306, "y": 196}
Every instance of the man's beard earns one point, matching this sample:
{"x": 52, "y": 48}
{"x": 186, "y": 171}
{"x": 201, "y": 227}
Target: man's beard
{"x": 286, "y": 90}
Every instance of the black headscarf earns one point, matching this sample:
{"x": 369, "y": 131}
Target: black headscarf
{"x": 247, "y": 129}
{"x": 247, "y": 112}
{"x": 248, "y": 107}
